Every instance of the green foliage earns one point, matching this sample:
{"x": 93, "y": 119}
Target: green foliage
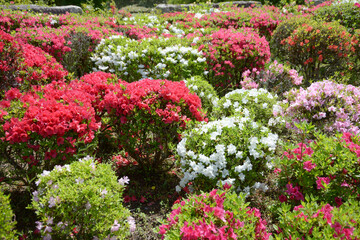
{"x": 257, "y": 104}
{"x": 346, "y": 13}
{"x": 311, "y": 220}
{"x": 78, "y": 61}
{"x": 218, "y": 214}
{"x": 7, "y": 222}
{"x": 70, "y": 198}
{"x": 205, "y": 91}
{"x": 234, "y": 150}
{"x": 327, "y": 168}
{"x": 157, "y": 58}
{"x": 316, "y": 49}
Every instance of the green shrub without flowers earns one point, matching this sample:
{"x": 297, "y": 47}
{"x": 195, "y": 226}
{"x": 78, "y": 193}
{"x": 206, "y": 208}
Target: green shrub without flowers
{"x": 81, "y": 200}
{"x": 233, "y": 150}
{"x": 7, "y": 223}
{"x": 205, "y": 91}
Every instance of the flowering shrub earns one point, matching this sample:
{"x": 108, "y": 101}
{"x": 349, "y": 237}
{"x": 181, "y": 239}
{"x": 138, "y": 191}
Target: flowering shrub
{"x": 263, "y": 19}
{"x": 51, "y": 40}
{"x": 69, "y": 198}
{"x": 11, "y": 20}
{"x": 232, "y": 150}
{"x": 38, "y": 67}
{"x": 229, "y": 54}
{"x": 344, "y": 12}
{"x": 9, "y": 55}
{"x": 283, "y": 31}
{"x": 148, "y": 117}
{"x": 219, "y": 214}
{"x": 153, "y": 58}
{"x": 327, "y": 168}
{"x": 26, "y": 65}
{"x": 7, "y": 222}
{"x": 258, "y": 104}
{"x": 205, "y": 91}
{"x": 313, "y": 221}
{"x": 317, "y": 49}
{"x": 44, "y": 127}
{"x": 355, "y": 57}
{"x": 277, "y": 78}
{"x": 331, "y": 107}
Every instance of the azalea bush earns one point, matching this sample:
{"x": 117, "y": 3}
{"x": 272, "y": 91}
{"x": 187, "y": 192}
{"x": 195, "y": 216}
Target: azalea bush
{"x": 262, "y": 19}
{"x": 45, "y": 127}
{"x": 331, "y": 107}
{"x": 9, "y": 54}
{"x": 233, "y": 150}
{"x": 315, "y": 221}
{"x": 355, "y": 58}
{"x": 205, "y": 91}
{"x": 344, "y": 12}
{"x": 7, "y": 221}
{"x": 327, "y": 168}
{"x": 229, "y": 53}
{"x": 316, "y": 49}
{"x": 148, "y": 116}
{"x": 69, "y": 198}
{"x": 162, "y": 58}
{"x": 257, "y": 104}
{"x": 24, "y": 65}
{"x": 219, "y": 214}
{"x": 277, "y": 78}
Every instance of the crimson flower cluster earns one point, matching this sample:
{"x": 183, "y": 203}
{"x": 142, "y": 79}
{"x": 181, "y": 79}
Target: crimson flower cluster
{"x": 229, "y": 53}
{"x": 148, "y": 115}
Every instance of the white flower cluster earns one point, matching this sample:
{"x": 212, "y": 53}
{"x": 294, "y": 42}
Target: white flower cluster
{"x": 130, "y": 55}
{"x": 225, "y": 162}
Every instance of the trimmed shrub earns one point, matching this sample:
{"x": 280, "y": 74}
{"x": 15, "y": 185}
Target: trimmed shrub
{"x": 205, "y": 91}
{"x": 331, "y": 107}
{"x": 229, "y": 53}
{"x": 7, "y": 222}
{"x": 257, "y": 104}
{"x": 316, "y": 49}
{"x": 162, "y": 58}
{"x": 24, "y": 65}
{"x": 148, "y": 116}
{"x": 346, "y": 13}
{"x": 219, "y": 214}
{"x": 81, "y": 200}
{"x": 9, "y": 55}
{"x": 233, "y": 150}
{"x": 276, "y": 78}
{"x": 319, "y": 221}
{"x": 44, "y": 127}
{"x": 327, "y": 168}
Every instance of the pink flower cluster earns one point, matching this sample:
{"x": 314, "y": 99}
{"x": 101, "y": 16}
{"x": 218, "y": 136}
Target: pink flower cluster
{"x": 330, "y": 106}
{"x": 229, "y": 53}
{"x": 29, "y": 64}
{"x": 325, "y": 213}
{"x": 224, "y": 226}
{"x": 276, "y": 78}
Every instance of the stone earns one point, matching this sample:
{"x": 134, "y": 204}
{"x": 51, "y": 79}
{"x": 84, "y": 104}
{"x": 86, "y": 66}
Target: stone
{"x": 166, "y": 8}
{"x": 41, "y": 9}
{"x": 244, "y": 4}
